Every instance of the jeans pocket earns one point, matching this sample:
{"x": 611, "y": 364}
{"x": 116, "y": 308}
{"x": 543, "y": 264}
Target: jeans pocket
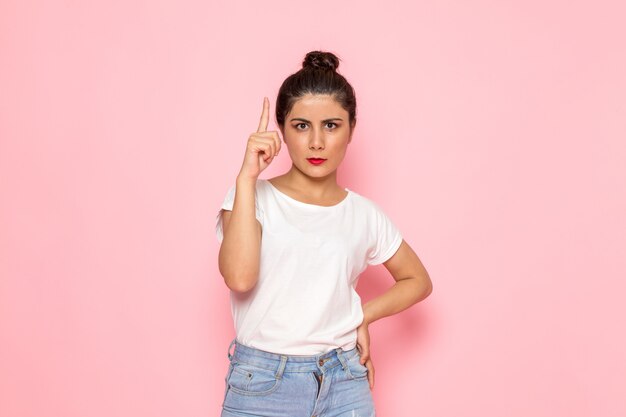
{"x": 355, "y": 369}
{"x": 247, "y": 379}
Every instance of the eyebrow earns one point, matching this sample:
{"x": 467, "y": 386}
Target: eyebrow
{"x": 323, "y": 121}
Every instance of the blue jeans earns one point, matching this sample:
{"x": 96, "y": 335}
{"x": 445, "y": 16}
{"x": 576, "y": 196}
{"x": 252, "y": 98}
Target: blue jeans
{"x": 265, "y": 384}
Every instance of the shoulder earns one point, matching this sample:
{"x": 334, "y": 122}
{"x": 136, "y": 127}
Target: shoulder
{"x": 260, "y": 194}
{"x": 365, "y": 202}
{"x": 262, "y": 187}
{"x": 262, "y": 183}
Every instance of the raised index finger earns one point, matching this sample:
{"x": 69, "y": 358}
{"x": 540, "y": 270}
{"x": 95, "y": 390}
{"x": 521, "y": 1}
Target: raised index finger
{"x": 265, "y": 115}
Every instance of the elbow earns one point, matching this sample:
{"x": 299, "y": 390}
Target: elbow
{"x": 241, "y": 284}
{"x": 238, "y": 276}
{"x": 427, "y": 287}
{"x": 424, "y": 287}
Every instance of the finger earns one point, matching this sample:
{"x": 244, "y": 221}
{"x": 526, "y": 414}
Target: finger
{"x": 269, "y": 134}
{"x": 269, "y": 152}
{"x": 370, "y": 374}
{"x": 365, "y": 356}
{"x": 275, "y": 138}
{"x": 278, "y": 143}
{"x": 269, "y": 149}
{"x": 265, "y": 115}
{"x": 263, "y": 141}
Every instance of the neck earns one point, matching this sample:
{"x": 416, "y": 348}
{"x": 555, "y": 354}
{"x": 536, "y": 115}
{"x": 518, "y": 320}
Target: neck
{"x": 316, "y": 187}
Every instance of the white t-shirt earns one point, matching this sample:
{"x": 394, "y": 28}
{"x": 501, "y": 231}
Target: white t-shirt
{"x": 305, "y": 302}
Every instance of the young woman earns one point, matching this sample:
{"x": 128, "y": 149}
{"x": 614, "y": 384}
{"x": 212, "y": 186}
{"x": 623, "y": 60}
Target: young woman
{"x": 292, "y": 249}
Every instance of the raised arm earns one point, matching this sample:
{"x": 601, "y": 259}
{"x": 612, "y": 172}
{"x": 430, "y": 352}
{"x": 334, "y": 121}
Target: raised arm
{"x": 239, "y": 255}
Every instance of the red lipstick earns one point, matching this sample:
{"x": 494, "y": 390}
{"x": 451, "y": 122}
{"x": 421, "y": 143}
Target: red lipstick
{"x": 316, "y": 161}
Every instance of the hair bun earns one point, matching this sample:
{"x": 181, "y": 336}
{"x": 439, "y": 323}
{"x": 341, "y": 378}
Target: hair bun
{"x": 321, "y": 60}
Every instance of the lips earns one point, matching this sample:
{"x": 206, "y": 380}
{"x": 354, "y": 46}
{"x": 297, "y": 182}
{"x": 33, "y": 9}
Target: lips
{"x": 316, "y": 161}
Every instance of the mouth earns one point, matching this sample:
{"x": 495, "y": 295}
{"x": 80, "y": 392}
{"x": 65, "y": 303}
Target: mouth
{"x": 316, "y": 161}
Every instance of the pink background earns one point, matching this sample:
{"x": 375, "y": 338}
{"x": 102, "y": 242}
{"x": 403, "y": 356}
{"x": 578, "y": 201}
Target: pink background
{"x": 492, "y": 132}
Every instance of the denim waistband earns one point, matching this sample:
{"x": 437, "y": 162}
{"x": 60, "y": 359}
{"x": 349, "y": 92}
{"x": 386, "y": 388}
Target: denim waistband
{"x": 289, "y": 363}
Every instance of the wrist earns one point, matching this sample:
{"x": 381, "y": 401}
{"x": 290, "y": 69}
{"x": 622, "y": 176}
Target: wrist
{"x": 245, "y": 180}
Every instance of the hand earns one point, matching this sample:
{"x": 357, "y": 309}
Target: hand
{"x": 262, "y": 147}
{"x": 363, "y": 345}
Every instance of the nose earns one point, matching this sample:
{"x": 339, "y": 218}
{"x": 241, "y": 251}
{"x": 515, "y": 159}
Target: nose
{"x": 316, "y": 140}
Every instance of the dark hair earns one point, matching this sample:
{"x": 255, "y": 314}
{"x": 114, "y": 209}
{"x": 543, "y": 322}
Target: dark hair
{"x": 318, "y": 75}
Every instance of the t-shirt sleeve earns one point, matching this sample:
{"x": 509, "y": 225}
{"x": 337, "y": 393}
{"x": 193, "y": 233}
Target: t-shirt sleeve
{"x": 227, "y": 204}
{"x": 386, "y": 241}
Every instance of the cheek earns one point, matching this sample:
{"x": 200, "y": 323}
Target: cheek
{"x": 341, "y": 142}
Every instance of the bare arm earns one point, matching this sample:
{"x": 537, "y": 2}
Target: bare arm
{"x": 241, "y": 247}
{"x": 240, "y": 252}
{"x": 412, "y": 285}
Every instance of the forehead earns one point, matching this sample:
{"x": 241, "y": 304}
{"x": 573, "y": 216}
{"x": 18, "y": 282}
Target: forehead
{"x": 317, "y": 105}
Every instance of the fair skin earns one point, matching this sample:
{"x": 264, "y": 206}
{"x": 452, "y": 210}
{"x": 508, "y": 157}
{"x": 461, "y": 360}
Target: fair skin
{"x": 316, "y": 126}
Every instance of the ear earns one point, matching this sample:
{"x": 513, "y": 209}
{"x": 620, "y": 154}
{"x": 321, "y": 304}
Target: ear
{"x": 351, "y": 131}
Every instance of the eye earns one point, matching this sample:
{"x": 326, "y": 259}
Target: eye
{"x": 331, "y": 123}
{"x": 300, "y": 124}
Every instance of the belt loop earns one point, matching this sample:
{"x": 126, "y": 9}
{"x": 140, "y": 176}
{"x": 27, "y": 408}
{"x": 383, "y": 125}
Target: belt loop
{"x": 342, "y": 359}
{"x": 230, "y": 357}
{"x": 281, "y": 367}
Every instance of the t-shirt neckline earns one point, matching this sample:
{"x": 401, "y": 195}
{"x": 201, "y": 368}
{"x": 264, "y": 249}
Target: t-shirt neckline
{"x": 303, "y": 204}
